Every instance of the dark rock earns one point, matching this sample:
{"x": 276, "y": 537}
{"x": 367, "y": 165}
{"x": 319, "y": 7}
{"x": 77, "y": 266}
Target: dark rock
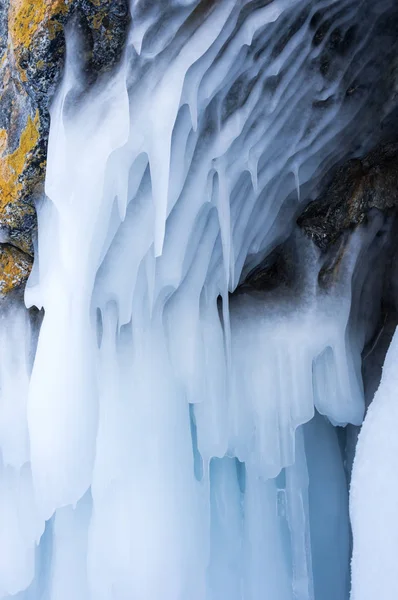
{"x": 357, "y": 187}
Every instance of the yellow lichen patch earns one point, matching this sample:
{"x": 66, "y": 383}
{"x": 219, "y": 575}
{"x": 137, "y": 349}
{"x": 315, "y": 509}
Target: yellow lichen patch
{"x": 53, "y": 27}
{"x": 13, "y": 165}
{"x": 15, "y": 267}
{"x": 26, "y": 17}
{"x": 97, "y": 20}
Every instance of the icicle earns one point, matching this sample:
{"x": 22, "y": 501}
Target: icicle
{"x": 224, "y": 216}
{"x": 161, "y": 435}
{"x": 253, "y": 170}
{"x": 298, "y": 520}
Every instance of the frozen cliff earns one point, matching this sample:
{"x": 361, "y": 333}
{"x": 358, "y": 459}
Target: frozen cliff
{"x": 203, "y": 195}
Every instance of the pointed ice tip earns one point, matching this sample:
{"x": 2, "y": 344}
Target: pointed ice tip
{"x": 253, "y": 175}
{"x": 193, "y": 110}
{"x": 160, "y": 231}
{"x": 122, "y": 207}
{"x": 158, "y": 246}
{"x": 252, "y": 167}
{"x": 136, "y": 38}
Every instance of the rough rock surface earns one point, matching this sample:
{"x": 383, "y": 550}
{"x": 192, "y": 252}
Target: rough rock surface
{"x": 32, "y": 50}
{"x": 357, "y": 187}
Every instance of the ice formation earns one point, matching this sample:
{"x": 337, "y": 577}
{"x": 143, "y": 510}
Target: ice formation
{"x": 169, "y": 439}
{"x": 374, "y": 572}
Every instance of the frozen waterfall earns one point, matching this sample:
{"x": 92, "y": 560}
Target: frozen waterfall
{"x": 168, "y": 432}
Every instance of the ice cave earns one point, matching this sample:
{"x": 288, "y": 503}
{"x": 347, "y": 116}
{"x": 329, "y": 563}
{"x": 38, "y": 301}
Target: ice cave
{"x": 199, "y": 292}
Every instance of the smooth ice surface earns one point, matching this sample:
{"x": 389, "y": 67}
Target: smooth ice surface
{"x": 164, "y": 446}
{"x": 328, "y": 502}
{"x": 373, "y": 497}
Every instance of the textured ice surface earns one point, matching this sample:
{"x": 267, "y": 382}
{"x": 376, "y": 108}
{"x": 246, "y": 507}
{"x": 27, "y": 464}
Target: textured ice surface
{"x": 159, "y": 437}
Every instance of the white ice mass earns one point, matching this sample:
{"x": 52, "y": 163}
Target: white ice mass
{"x": 170, "y": 434}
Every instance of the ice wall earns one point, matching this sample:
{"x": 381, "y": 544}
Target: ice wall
{"x": 159, "y": 453}
{"x": 373, "y": 499}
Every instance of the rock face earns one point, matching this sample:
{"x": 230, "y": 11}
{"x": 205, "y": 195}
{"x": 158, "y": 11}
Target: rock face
{"x": 15, "y": 267}
{"x": 357, "y": 187}
{"x": 32, "y": 50}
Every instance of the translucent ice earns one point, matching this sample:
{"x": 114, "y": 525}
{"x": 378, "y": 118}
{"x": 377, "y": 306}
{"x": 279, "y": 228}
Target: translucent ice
{"x": 166, "y": 433}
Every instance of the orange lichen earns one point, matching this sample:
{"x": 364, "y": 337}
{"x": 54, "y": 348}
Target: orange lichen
{"x": 53, "y": 27}
{"x": 97, "y": 20}
{"x": 12, "y": 165}
{"x": 26, "y": 17}
{"x": 15, "y": 267}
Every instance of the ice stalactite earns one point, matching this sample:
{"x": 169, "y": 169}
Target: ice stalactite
{"x": 173, "y": 449}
